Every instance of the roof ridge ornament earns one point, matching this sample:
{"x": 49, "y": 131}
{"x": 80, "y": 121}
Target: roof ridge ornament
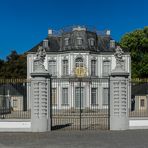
{"x": 39, "y": 61}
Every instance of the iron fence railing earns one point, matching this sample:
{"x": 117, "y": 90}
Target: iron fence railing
{"x": 14, "y": 103}
{"x": 138, "y": 101}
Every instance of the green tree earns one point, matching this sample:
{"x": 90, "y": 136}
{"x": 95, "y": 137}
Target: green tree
{"x": 15, "y": 66}
{"x": 136, "y": 43}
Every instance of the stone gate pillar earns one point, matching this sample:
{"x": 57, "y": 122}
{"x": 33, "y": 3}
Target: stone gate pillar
{"x": 119, "y": 82}
{"x": 40, "y": 85}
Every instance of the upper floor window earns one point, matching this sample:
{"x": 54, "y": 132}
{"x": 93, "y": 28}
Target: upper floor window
{"x": 52, "y": 67}
{"x": 79, "y": 62}
{"x": 65, "y": 67}
{"x": 106, "y": 68}
{"x": 79, "y": 41}
{"x": 66, "y": 41}
{"x": 93, "y": 67}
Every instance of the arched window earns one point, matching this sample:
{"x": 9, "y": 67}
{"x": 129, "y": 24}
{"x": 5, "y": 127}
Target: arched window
{"x": 79, "y": 62}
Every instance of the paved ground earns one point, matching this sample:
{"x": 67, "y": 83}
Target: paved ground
{"x": 76, "y": 139}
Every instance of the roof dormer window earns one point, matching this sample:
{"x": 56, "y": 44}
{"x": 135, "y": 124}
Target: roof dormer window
{"x": 79, "y": 41}
{"x": 66, "y": 41}
{"x": 92, "y": 42}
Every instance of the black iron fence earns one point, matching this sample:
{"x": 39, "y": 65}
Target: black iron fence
{"x": 79, "y": 103}
{"x": 138, "y": 103}
{"x": 13, "y": 99}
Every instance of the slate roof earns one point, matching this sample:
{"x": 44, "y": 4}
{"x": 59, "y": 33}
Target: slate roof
{"x": 55, "y": 42}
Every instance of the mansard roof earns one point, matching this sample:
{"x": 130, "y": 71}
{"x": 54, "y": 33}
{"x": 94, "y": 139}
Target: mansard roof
{"x": 56, "y": 43}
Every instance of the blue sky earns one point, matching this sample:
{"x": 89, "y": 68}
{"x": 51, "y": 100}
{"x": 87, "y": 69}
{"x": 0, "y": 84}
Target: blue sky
{"x": 24, "y": 23}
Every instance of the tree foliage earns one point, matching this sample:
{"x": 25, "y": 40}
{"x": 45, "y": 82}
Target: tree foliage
{"x": 15, "y": 66}
{"x": 136, "y": 43}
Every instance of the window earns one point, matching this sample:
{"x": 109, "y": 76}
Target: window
{"x": 15, "y": 103}
{"x": 65, "y": 67}
{"x": 93, "y": 96}
{"x": 52, "y": 67}
{"x": 54, "y": 97}
{"x": 91, "y": 42}
{"x": 79, "y": 62}
{"x": 64, "y": 96}
{"x": 45, "y": 43}
{"x": 106, "y": 68}
{"x": 78, "y": 96}
{"x": 105, "y": 96}
{"x": 142, "y": 103}
{"x": 93, "y": 67}
{"x": 112, "y": 43}
{"x": 79, "y": 41}
{"x": 66, "y": 41}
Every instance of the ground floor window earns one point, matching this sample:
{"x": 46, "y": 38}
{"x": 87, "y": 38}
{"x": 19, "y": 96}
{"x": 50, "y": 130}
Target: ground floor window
{"x": 64, "y": 96}
{"x": 93, "y": 96}
{"x": 105, "y": 96}
{"x": 54, "y": 96}
{"x": 79, "y": 97}
{"x": 142, "y": 103}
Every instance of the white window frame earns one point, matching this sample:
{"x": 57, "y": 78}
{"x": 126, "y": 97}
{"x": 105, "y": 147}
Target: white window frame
{"x": 96, "y": 94}
{"x": 79, "y": 41}
{"x": 64, "y": 94}
{"x": 66, "y": 41}
{"x": 91, "y": 42}
{"x": 52, "y": 67}
{"x": 79, "y": 62}
{"x": 104, "y": 73}
{"x": 93, "y": 67}
{"x": 65, "y": 67}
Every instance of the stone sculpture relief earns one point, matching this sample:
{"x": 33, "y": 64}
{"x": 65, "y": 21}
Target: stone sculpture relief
{"x": 119, "y": 57}
{"x": 39, "y": 61}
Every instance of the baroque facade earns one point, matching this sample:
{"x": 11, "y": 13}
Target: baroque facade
{"x": 72, "y": 52}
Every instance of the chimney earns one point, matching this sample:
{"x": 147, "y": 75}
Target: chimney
{"x": 112, "y": 43}
{"x": 45, "y": 43}
{"x": 49, "y": 32}
{"x": 108, "y": 32}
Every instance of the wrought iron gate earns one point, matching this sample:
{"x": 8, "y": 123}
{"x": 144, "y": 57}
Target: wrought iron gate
{"x": 79, "y": 103}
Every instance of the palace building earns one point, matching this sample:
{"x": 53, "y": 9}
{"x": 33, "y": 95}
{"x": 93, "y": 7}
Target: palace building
{"x": 80, "y": 61}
